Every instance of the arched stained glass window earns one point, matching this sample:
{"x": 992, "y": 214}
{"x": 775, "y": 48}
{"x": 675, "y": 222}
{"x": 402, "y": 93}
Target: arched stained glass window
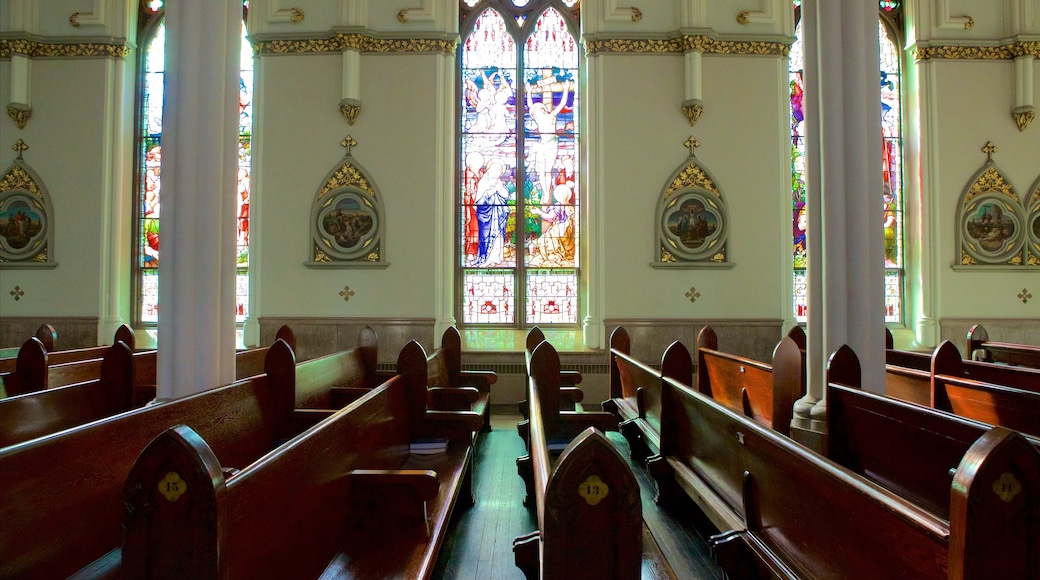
{"x": 518, "y": 158}
{"x": 889, "y": 22}
{"x": 152, "y": 39}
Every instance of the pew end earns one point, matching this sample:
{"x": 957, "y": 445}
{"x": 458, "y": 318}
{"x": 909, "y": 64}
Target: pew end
{"x": 174, "y": 486}
{"x": 995, "y": 508}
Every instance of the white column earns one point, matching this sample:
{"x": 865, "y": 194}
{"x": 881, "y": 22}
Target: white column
{"x": 444, "y": 223}
{"x": 592, "y": 148}
{"x": 115, "y": 196}
{"x": 845, "y": 244}
{"x": 199, "y": 170}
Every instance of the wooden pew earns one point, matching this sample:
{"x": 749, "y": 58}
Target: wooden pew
{"x": 788, "y": 512}
{"x": 342, "y": 499}
{"x": 45, "y": 333}
{"x": 949, "y": 390}
{"x": 587, "y": 503}
{"x": 248, "y": 363}
{"x": 560, "y": 427}
{"x": 908, "y": 374}
{"x": 571, "y": 395}
{"x": 996, "y": 404}
{"x": 25, "y": 417}
{"x": 907, "y": 448}
{"x": 764, "y": 392}
{"x": 980, "y": 346}
{"x": 33, "y": 365}
{"x": 635, "y": 392}
{"x": 445, "y": 376}
{"x": 414, "y": 364}
{"x": 61, "y": 495}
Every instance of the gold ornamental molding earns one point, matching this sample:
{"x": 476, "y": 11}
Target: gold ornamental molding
{"x": 693, "y": 112}
{"x": 359, "y": 42}
{"x": 20, "y": 115}
{"x": 37, "y": 49}
{"x": 693, "y": 175}
{"x": 1003, "y": 52}
{"x": 1023, "y": 119}
{"x": 687, "y": 43}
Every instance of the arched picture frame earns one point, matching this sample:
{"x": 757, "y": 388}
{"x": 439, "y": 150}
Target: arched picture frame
{"x": 991, "y": 222}
{"x": 691, "y": 220}
{"x": 347, "y": 218}
{"x": 26, "y": 219}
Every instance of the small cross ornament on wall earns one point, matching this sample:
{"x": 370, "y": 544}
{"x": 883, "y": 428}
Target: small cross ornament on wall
{"x": 693, "y": 144}
{"x": 347, "y": 143}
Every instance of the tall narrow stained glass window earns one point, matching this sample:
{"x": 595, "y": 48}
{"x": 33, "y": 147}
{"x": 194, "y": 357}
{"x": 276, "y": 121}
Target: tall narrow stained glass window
{"x": 147, "y": 211}
{"x": 889, "y": 22}
{"x": 518, "y": 159}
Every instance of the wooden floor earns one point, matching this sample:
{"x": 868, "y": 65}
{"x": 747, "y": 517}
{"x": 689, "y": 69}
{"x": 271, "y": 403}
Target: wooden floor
{"x": 480, "y": 542}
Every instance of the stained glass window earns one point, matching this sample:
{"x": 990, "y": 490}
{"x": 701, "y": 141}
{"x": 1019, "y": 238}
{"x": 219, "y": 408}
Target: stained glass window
{"x": 891, "y": 157}
{"x": 147, "y": 222}
{"x": 518, "y": 153}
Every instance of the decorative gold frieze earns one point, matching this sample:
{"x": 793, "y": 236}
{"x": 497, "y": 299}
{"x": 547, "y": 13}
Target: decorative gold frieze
{"x": 1023, "y": 119}
{"x": 1003, "y": 52}
{"x": 359, "y": 42}
{"x": 990, "y": 180}
{"x": 19, "y": 178}
{"x": 19, "y": 115}
{"x": 36, "y": 49}
{"x": 692, "y": 176}
{"x": 687, "y": 43}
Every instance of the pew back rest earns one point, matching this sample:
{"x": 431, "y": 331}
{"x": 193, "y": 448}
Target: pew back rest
{"x": 353, "y": 369}
{"x": 43, "y": 492}
{"x": 908, "y": 375}
{"x": 25, "y": 417}
{"x": 283, "y": 515}
{"x": 980, "y": 347}
{"x": 907, "y": 448}
{"x": 764, "y": 392}
{"x": 778, "y": 486}
{"x": 993, "y": 404}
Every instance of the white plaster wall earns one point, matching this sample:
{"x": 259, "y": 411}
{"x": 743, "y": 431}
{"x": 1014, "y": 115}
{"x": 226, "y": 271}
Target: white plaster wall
{"x": 302, "y": 129}
{"x": 64, "y": 136}
{"x": 644, "y": 135}
{"x": 975, "y": 107}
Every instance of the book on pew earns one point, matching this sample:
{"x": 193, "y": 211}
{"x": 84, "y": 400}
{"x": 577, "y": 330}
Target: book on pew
{"x": 428, "y": 445}
{"x": 557, "y": 445}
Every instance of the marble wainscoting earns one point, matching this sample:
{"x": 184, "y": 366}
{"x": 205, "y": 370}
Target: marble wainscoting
{"x": 751, "y": 338}
{"x": 73, "y": 331}
{"x": 1015, "y": 330}
{"x": 320, "y": 336}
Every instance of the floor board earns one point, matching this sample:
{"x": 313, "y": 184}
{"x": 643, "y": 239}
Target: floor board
{"x": 480, "y": 540}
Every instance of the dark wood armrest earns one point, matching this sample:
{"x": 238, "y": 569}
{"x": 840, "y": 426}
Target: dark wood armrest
{"x": 572, "y": 394}
{"x": 480, "y": 379}
{"x": 452, "y": 398}
{"x": 422, "y": 483}
{"x": 342, "y": 396}
{"x": 569, "y": 378}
